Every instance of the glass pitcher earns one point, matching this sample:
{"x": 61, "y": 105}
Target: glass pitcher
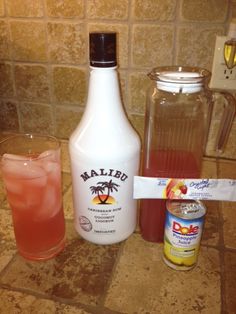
{"x": 177, "y": 121}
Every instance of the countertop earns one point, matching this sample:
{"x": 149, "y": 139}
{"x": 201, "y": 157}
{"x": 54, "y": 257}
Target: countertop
{"x": 129, "y": 277}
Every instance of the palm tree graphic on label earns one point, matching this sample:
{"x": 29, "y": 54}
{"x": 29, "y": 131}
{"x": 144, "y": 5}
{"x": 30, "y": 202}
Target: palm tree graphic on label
{"x": 100, "y": 189}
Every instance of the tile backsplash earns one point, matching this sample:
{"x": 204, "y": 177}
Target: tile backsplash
{"x": 44, "y": 56}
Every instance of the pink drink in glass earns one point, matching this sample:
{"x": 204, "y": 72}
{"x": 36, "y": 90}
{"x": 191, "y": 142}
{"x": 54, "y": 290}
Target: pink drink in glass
{"x": 33, "y": 186}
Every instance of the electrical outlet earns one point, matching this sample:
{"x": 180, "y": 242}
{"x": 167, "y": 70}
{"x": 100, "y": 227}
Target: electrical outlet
{"x": 222, "y": 77}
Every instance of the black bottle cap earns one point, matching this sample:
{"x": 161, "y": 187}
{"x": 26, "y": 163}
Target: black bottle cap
{"x": 102, "y": 49}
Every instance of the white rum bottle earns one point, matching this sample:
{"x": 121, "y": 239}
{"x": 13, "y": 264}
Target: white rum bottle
{"x": 104, "y": 153}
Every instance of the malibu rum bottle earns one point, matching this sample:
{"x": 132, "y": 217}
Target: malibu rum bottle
{"x": 104, "y": 153}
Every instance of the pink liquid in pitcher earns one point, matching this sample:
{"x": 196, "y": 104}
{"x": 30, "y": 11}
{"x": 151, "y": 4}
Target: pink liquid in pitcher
{"x": 165, "y": 164}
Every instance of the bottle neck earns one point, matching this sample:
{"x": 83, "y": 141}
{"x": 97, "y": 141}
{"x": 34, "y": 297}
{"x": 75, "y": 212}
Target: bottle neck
{"x": 104, "y": 91}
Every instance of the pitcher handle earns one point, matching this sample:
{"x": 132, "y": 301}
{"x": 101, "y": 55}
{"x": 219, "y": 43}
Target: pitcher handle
{"x": 226, "y": 122}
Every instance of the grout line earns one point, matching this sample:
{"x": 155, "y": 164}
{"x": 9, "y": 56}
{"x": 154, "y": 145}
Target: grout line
{"x": 113, "y": 271}
{"x": 222, "y": 249}
{"x": 127, "y": 99}
{"x": 53, "y": 298}
{"x": 222, "y": 262}
{"x": 7, "y": 266}
{"x": 11, "y": 61}
{"x": 176, "y": 23}
{"x": 49, "y": 70}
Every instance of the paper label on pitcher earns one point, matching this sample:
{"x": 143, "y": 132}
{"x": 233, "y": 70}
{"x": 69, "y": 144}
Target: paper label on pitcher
{"x": 194, "y": 189}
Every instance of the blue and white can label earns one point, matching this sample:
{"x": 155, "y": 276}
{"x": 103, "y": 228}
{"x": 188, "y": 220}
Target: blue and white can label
{"x": 183, "y": 231}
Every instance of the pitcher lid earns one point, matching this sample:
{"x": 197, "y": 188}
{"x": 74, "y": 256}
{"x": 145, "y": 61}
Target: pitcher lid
{"x": 180, "y": 79}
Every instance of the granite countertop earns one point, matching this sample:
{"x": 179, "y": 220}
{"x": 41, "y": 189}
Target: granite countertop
{"x": 129, "y": 277}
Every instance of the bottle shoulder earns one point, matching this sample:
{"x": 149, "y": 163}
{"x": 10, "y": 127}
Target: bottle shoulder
{"x": 94, "y": 127}
{"x": 104, "y": 137}
{"x": 104, "y": 129}
{"x": 101, "y": 144}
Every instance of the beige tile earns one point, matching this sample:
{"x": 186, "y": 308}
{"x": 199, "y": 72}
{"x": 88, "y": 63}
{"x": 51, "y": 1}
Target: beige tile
{"x": 2, "y": 137}
{"x": 227, "y": 169}
{"x": 229, "y": 218}
{"x": 65, "y": 156}
{"x": 143, "y": 283}
{"x": 3, "y": 197}
{"x": 2, "y": 10}
{"x": 68, "y": 204}
{"x": 229, "y": 281}
{"x": 18, "y": 302}
{"x": 66, "y": 120}
{"x": 209, "y": 168}
{"x": 66, "y": 181}
{"x": 66, "y": 8}
{"x": 154, "y": 10}
{"x": 7, "y": 239}
{"x": 14, "y": 301}
{"x": 9, "y": 116}
{"x": 79, "y": 274}
{"x": 137, "y": 121}
{"x": 233, "y": 9}
{"x": 6, "y": 80}
{"x": 212, "y": 226}
{"x": 123, "y": 81}
{"x": 25, "y": 8}
{"x": 194, "y": 45}
{"x": 28, "y": 41}
{"x": 2, "y": 191}
{"x": 107, "y": 9}
{"x": 138, "y": 85}
{"x": 32, "y": 83}
{"x": 215, "y": 10}
{"x": 5, "y": 204}
{"x": 230, "y": 147}
{"x": 67, "y": 42}
{"x": 70, "y": 85}
{"x": 122, "y": 31}
{"x": 152, "y": 45}
{"x": 36, "y": 118}
{"x": 4, "y": 40}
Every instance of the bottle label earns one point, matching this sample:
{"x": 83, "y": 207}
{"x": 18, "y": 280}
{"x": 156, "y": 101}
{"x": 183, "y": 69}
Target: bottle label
{"x": 103, "y": 200}
{"x": 103, "y": 186}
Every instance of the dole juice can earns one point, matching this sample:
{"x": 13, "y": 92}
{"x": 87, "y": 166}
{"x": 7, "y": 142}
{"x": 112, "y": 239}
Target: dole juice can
{"x": 183, "y": 231}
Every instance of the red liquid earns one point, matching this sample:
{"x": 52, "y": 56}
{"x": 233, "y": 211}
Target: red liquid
{"x": 34, "y": 194}
{"x": 165, "y": 164}
{"x": 36, "y": 238}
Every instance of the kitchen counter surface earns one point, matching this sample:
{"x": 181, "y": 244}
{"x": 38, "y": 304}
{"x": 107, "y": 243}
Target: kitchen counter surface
{"x": 129, "y": 277}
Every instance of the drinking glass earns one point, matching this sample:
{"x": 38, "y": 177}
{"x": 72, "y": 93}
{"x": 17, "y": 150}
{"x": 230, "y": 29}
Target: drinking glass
{"x": 31, "y": 172}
